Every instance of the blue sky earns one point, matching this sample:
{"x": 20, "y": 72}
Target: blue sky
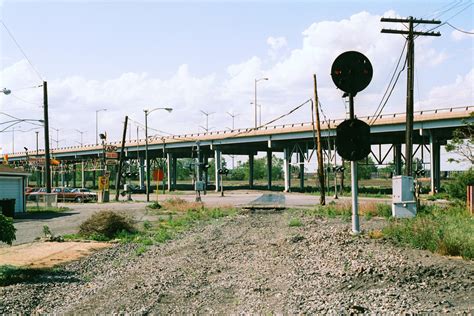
{"x": 192, "y": 55}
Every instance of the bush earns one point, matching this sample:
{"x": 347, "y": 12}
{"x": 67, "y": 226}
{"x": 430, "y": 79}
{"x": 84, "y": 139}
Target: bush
{"x": 457, "y": 188}
{"x": 7, "y": 230}
{"x": 105, "y": 225}
{"x": 445, "y": 230}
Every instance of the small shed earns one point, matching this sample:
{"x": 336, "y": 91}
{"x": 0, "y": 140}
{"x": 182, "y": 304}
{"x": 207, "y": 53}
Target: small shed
{"x": 12, "y": 186}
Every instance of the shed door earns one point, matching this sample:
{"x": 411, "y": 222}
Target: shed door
{"x": 11, "y": 188}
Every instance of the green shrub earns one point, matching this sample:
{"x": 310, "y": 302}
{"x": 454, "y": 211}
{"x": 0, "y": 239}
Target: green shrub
{"x": 7, "y": 230}
{"x": 295, "y": 222}
{"x": 445, "y": 230}
{"x": 105, "y": 225}
{"x": 457, "y": 188}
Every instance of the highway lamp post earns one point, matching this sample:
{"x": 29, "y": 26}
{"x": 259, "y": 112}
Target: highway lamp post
{"x": 97, "y": 125}
{"x": 207, "y": 119}
{"x": 147, "y": 162}
{"x": 255, "y": 101}
{"x": 82, "y": 161}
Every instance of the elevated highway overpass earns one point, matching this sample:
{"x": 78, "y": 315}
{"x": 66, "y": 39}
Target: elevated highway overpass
{"x": 432, "y": 129}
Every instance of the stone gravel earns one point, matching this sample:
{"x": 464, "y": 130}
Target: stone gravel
{"x": 253, "y": 263}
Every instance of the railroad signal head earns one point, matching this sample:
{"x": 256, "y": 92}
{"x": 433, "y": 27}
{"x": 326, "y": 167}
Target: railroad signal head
{"x": 353, "y": 139}
{"x": 351, "y": 72}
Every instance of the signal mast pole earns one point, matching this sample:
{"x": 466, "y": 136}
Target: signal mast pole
{"x": 410, "y": 75}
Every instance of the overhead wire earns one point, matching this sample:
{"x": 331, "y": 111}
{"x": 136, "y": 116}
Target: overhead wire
{"x": 21, "y": 49}
{"x": 459, "y": 30}
{"x": 381, "y": 105}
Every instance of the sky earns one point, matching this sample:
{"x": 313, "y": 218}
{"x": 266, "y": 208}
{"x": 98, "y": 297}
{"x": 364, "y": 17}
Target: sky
{"x": 193, "y": 56}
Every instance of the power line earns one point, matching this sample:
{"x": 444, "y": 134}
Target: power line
{"x": 380, "y": 107}
{"x": 21, "y": 49}
{"x": 459, "y": 30}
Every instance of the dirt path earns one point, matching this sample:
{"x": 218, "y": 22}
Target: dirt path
{"x": 254, "y": 263}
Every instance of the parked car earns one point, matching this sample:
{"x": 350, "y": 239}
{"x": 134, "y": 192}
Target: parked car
{"x": 35, "y": 196}
{"x": 74, "y": 195}
{"x": 66, "y": 195}
{"x": 29, "y": 190}
{"x": 136, "y": 189}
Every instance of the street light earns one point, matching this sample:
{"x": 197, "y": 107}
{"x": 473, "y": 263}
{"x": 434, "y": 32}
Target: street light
{"x": 81, "y": 132}
{"x": 6, "y": 91}
{"x": 97, "y": 125}
{"x": 147, "y": 112}
{"x": 207, "y": 119}
{"x": 255, "y": 103}
{"x": 57, "y": 136}
{"x": 259, "y": 106}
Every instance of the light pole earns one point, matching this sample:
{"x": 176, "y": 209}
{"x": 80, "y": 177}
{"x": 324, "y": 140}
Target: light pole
{"x": 255, "y": 103}
{"x": 97, "y": 125}
{"x": 207, "y": 119}
{"x": 147, "y": 112}
{"x": 80, "y": 132}
{"x": 57, "y": 136}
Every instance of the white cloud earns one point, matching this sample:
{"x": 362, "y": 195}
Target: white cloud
{"x": 458, "y": 93}
{"x": 73, "y": 100}
{"x": 276, "y": 43}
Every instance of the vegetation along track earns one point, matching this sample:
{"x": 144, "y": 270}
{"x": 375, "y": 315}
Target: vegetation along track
{"x": 253, "y": 263}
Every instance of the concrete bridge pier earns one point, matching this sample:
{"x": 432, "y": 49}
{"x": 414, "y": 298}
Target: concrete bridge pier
{"x": 397, "y": 158}
{"x": 301, "y": 164}
{"x": 435, "y": 173}
{"x": 74, "y": 175}
{"x": 286, "y": 168}
{"x": 169, "y": 171}
{"x": 141, "y": 172}
{"x": 251, "y": 170}
{"x": 217, "y": 165}
{"x": 269, "y": 169}
{"x": 174, "y": 177}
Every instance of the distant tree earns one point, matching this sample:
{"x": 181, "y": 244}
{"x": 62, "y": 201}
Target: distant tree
{"x": 242, "y": 170}
{"x": 463, "y": 142}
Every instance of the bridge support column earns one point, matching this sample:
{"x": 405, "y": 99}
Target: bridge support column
{"x": 74, "y": 169}
{"x": 141, "y": 172}
{"x": 175, "y": 173}
{"x": 169, "y": 170}
{"x": 251, "y": 171}
{"x": 217, "y": 165}
{"x": 301, "y": 156}
{"x": 397, "y": 158}
{"x": 435, "y": 173}
{"x": 93, "y": 178}
{"x": 206, "y": 172}
{"x": 269, "y": 170}
{"x": 286, "y": 169}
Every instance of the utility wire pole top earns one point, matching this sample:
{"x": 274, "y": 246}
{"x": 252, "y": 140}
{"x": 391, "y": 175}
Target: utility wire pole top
{"x": 411, "y": 33}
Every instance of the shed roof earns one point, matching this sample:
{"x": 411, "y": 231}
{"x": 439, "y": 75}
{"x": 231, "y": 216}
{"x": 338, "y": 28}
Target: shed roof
{"x": 9, "y": 171}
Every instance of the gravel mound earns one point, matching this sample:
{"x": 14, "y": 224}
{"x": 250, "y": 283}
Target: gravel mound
{"x": 253, "y": 263}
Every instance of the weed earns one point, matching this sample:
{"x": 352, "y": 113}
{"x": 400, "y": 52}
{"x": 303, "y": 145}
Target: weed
{"x": 147, "y": 225}
{"x": 446, "y": 230}
{"x": 295, "y": 222}
{"x": 141, "y": 249}
{"x": 46, "y": 231}
{"x": 50, "y": 209}
{"x": 154, "y": 206}
{"x": 105, "y": 225}
{"x": 375, "y": 234}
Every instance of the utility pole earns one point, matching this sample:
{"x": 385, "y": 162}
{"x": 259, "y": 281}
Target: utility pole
{"x": 410, "y": 33}
{"x": 46, "y": 138}
{"x": 319, "y": 150}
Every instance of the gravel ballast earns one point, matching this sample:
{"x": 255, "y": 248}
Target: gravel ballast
{"x": 253, "y": 263}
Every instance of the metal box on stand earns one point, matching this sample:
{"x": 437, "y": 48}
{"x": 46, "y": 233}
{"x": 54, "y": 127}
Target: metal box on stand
{"x": 403, "y": 197}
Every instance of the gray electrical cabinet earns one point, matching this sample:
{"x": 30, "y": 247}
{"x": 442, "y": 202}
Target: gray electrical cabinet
{"x": 403, "y": 197}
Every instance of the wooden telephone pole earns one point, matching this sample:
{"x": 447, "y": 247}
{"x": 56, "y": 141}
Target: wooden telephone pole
{"x": 319, "y": 150}
{"x": 411, "y": 33}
